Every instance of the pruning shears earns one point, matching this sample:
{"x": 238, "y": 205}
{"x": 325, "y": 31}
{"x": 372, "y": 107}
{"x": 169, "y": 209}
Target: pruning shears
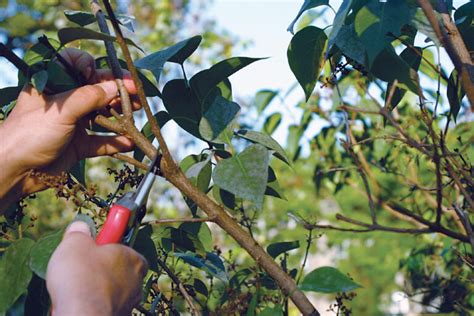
{"x": 125, "y": 215}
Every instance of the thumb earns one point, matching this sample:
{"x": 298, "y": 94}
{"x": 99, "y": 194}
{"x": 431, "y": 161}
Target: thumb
{"x": 78, "y": 227}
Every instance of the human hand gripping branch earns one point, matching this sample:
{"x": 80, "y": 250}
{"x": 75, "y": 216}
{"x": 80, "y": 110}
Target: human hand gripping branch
{"x": 48, "y": 133}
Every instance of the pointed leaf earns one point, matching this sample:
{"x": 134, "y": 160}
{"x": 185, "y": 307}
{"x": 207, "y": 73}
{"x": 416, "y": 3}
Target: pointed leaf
{"x": 211, "y": 263}
{"x": 70, "y": 34}
{"x": 41, "y": 252}
{"x": 263, "y": 99}
{"x": 244, "y": 175}
{"x": 339, "y": 20}
{"x": 83, "y": 18}
{"x": 203, "y": 82}
{"x": 14, "y": 272}
{"x": 455, "y": 93}
{"x": 215, "y": 122}
{"x": 176, "y": 53}
{"x": 8, "y": 94}
{"x": 265, "y": 140}
{"x": 271, "y": 123}
{"x": 308, "y": 4}
{"x": 39, "y": 80}
{"x": 327, "y": 280}
{"x": 305, "y": 55}
{"x": 79, "y": 171}
{"x": 276, "y": 249}
{"x": 377, "y": 23}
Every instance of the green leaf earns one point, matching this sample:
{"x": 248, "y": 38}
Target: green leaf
{"x": 209, "y": 263}
{"x": 273, "y": 187}
{"x": 388, "y": 66}
{"x": 350, "y": 44}
{"x": 145, "y": 246}
{"x": 244, "y": 175}
{"x": 201, "y": 231}
{"x": 187, "y": 110}
{"x": 338, "y": 23}
{"x": 295, "y": 132}
{"x": 59, "y": 80}
{"x": 42, "y": 252}
{"x": 263, "y": 99}
{"x": 180, "y": 240}
{"x": 308, "y": 4}
{"x": 305, "y": 55}
{"x": 14, "y": 272}
{"x": 265, "y": 140}
{"x": 204, "y": 81}
{"x": 176, "y": 53}
{"x": 327, "y": 280}
{"x": 162, "y": 118}
{"x": 182, "y": 105}
{"x": 421, "y": 23}
{"x": 271, "y": 123}
{"x": 80, "y": 17}
{"x": 412, "y": 56}
{"x": 71, "y": 34}
{"x": 198, "y": 170}
{"x": 216, "y": 123}
{"x": 377, "y": 23}
{"x": 83, "y": 18}
{"x": 200, "y": 287}
{"x": 276, "y": 249}
{"x": 79, "y": 171}
{"x": 272, "y": 311}
{"x": 9, "y": 94}
{"x": 455, "y": 94}
{"x": 39, "y": 80}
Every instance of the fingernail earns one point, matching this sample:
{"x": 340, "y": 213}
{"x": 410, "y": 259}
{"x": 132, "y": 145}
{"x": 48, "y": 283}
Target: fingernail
{"x": 78, "y": 227}
{"x": 110, "y": 88}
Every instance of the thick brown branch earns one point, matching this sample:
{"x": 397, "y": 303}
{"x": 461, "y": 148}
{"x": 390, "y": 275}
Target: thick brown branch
{"x": 449, "y": 35}
{"x": 173, "y": 174}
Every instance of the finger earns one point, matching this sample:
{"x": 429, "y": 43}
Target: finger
{"x": 116, "y": 103}
{"x": 78, "y": 227}
{"x": 107, "y": 145}
{"x": 102, "y": 75}
{"x": 79, "y": 102}
{"x": 140, "y": 263}
{"x": 80, "y": 60}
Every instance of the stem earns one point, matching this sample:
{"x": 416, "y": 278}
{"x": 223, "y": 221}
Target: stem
{"x": 181, "y": 288}
{"x": 174, "y": 175}
{"x": 14, "y": 59}
{"x": 449, "y": 36}
{"x": 308, "y": 245}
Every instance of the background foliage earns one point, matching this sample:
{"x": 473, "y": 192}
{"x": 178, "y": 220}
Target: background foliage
{"x": 347, "y": 73}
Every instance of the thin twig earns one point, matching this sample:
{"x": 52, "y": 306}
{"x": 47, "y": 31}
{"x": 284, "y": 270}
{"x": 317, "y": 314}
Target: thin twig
{"x": 467, "y": 225}
{"x": 14, "y": 59}
{"x": 181, "y": 288}
{"x": 179, "y": 220}
{"x": 131, "y": 161}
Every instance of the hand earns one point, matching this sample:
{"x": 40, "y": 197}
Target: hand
{"x": 86, "y": 279}
{"x": 48, "y": 132}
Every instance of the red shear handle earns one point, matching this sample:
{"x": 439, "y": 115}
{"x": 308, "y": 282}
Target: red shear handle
{"x": 114, "y": 226}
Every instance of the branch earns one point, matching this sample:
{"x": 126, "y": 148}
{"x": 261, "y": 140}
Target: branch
{"x": 181, "y": 288}
{"x": 179, "y": 220}
{"x": 433, "y": 226}
{"x": 175, "y": 176}
{"x": 467, "y": 225}
{"x": 449, "y": 36}
{"x": 131, "y": 161}
{"x": 133, "y": 70}
{"x": 14, "y": 59}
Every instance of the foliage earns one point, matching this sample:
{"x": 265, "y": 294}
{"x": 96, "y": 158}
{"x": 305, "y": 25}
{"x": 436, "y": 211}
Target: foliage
{"x": 394, "y": 154}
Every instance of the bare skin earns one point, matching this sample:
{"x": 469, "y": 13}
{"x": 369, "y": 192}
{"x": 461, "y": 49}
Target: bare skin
{"x": 48, "y": 133}
{"x": 86, "y": 279}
